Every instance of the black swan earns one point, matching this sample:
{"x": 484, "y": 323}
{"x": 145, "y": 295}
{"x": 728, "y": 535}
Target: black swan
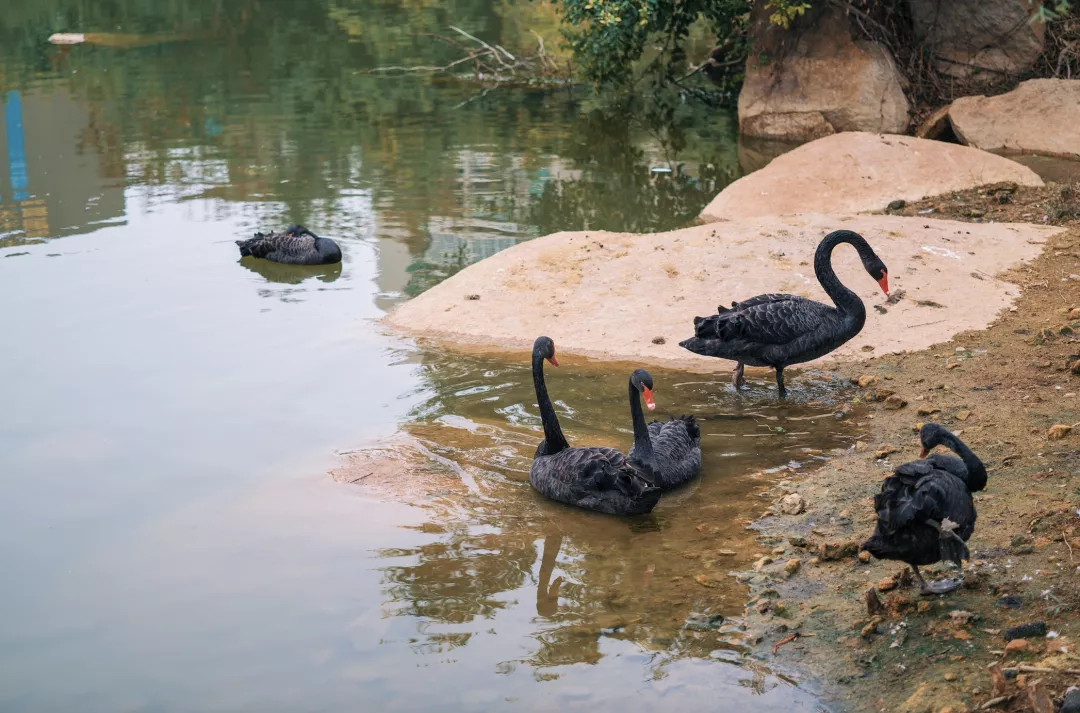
{"x": 597, "y": 478}
{"x": 669, "y": 450}
{"x": 296, "y": 246}
{"x": 925, "y": 510}
{"x": 777, "y": 329}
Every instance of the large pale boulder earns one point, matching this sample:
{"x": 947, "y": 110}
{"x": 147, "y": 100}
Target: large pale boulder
{"x": 824, "y": 83}
{"x": 968, "y": 37}
{"x": 856, "y": 171}
{"x": 1039, "y": 116}
{"x": 633, "y": 297}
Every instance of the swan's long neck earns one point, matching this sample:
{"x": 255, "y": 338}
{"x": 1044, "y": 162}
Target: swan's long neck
{"x": 642, "y": 443}
{"x": 845, "y": 300}
{"x": 553, "y": 434}
{"x": 976, "y": 477}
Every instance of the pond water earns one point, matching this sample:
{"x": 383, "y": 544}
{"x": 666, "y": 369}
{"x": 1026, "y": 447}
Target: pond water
{"x": 170, "y": 537}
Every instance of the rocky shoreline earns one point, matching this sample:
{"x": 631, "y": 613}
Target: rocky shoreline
{"x": 1011, "y": 391}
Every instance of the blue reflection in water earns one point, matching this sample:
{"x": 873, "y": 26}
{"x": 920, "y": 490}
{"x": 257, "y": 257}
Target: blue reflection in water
{"x": 16, "y": 146}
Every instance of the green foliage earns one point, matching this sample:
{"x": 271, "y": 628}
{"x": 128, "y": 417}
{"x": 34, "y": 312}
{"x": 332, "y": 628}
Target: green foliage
{"x": 611, "y": 37}
{"x": 784, "y": 12}
{"x": 1048, "y": 12}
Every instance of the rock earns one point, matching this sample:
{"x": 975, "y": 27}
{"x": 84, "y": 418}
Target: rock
{"x": 861, "y": 446}
{"x": 898, "y": 204}
{"x": 1071, "y": 702}
{"x": 864, "y": 557}
{"x": 866, "y": 380}
{"x": 898, "y": 604}
{"x": 527, "y": 283}
{"x": 830, "y": 551}
{"x": 949, "y": 677}
{"x": 1039, "y": 698}
{"x": 813, "y": 561}
{"x": 1010, "y": 601}
{"x": 885, "y": 451}
{"x": 763, "y": 561}
{"x": 1016, "y": 645}
{"x": 960, "y": 618}
{"x": 886, "y": 584}
{"x": 1039, "y": 116}
{"x": 1025, "y": 631}
{"x": 894, "y": 403}
{"x": 707, "y": 581}
{"x": 873, "y": 604}
{"x": 1074, "y": 367}
{"x": 792, "y": 566}
{"x": 871, "y": 627}
{"x": 935, "y": 126}
{"x": 997, "y": 681}
{"x": 979, "y": 40}
{"x": 797, "y": 541}
{"x": 792, "y": 504}
{"x": 963, "y": 415}
{"x": 927, "y": 411}
{"x": 854, "y": 172}
{"x": 820, "y": 83}
{"x": 1058, "y": 431}
{"x": 763, "y": 606}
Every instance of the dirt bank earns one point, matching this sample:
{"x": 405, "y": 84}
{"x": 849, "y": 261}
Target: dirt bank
{"x": 1003, "y": 389}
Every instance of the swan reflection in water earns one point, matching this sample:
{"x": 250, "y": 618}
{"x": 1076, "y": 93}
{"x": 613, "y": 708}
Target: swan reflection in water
{"x": 291, "y": 274}
{"x": 547, "y": 597}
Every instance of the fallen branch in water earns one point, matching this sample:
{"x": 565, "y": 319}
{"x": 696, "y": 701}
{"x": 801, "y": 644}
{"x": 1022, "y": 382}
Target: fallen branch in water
{"x": 490, "y": 63}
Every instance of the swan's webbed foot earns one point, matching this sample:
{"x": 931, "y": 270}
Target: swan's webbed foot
{"x": 942, "y": 586}
{"x": 737, "y": 378}
{"x": 780, "y": 382}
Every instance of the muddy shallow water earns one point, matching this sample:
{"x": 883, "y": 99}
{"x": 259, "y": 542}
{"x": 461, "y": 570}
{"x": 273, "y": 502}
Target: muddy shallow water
{"x": 170, "y": 536}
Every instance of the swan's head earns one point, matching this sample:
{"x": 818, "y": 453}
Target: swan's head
{"x": 297, "y": 230}
{"x": 877, "y": 270}
{"x": 546, "y": 349}
{"x": 932, "y": 435}
{"x": 642, "y": 381}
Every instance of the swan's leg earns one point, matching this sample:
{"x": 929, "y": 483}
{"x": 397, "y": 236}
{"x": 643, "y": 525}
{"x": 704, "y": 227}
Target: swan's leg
{"x": 780, "y": 381}
{"x": 943, "y": 586}
{"x": 737, "y": 379}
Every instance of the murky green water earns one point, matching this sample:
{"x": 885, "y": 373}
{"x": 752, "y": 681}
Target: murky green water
{"x": 169, "y": 536}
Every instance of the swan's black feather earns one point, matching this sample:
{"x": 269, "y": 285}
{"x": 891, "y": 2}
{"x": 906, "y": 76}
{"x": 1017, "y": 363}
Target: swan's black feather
{"x": 676, "y": 451}
{"x": 597, "y": 478}
{"x": 776, "y": 329}
{"x": 932, "y": 489}
{"x": 296, "y": 246}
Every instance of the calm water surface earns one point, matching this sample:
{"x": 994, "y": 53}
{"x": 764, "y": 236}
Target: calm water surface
{"x": 169, "y": 534}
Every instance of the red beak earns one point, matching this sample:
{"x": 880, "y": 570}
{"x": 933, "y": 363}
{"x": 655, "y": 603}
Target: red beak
{"x": 553, "y": 360}
{"x": 884, "y": 282}
{"x": 646, "y": 392}
{"x": 923, "y": 453}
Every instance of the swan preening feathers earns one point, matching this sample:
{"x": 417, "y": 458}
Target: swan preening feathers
{"x": 296, "y": 246}
{"x": 925, "y": 512}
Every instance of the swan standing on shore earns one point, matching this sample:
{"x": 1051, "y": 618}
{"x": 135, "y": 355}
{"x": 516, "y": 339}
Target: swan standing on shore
{"x": 925, "y": 510}
{"x": 778, "y": 329}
